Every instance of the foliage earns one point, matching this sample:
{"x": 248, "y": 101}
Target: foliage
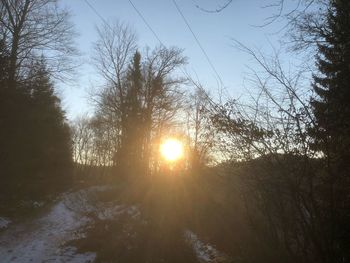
{"x": 331, "y": 108}
{"x": 35, "y": 138}
{"x": 35, "y": 147}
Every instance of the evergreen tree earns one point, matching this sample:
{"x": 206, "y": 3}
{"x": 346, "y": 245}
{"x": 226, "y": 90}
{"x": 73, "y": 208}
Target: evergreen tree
{"x": 35, "y": 146}
{"x": 12, "y": 102}
{"x": 332, "y": 107}
{"x": 331, "y": 133}
{"x": 134, "y": 129}
{"x": 49, "y": 153}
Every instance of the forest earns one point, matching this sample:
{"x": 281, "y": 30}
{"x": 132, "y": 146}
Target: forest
{"x": 165, "y": 168}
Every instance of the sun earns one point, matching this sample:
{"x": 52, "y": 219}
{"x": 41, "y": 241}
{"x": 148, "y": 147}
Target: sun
{"x": 172, "y": 150}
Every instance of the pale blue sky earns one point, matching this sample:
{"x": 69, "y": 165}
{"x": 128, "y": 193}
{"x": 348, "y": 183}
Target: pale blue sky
{"x": 213, "y": 30}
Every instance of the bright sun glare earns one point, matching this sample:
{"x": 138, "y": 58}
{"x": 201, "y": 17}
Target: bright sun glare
{"x": 171, "y": 150}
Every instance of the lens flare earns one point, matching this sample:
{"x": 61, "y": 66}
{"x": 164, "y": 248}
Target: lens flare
{"x": 171, "y": 150}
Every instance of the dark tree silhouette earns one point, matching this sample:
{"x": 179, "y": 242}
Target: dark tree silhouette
{"x": 132, "y": 143}
{"x": 4, "y": 103}
{"x": 331, "y": 107}
{"x": 35, "y": 139}
{"x": 51, "y": 151}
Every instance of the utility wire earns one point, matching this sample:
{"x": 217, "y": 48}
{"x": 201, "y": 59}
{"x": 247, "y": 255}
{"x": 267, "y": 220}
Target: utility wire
{"x": 189, "y": 27}
{"x": 155, "y": 34}
{"x": 137, "y": 11}
{"x": 97, "y": 13}
{"x": 198, "y": 42}
{"x": 146, "y": 23}
{"x": 151, "y": 29}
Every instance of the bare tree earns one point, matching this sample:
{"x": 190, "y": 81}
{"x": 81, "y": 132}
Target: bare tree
{"x": 202, "y": 136}
{"x": 157, "y": 97}
{"x": 94, "y": 143}
{"x": 309, "y": 28}
{"x": 162, "y": 96}
{"x": 32, "y": 28}
{"x": 82, "y": 137}
{"x": 283, "y": 177}
{"x": 113, "y": 52}
{"x": 216, "y": 10}
{"x": 301, "y": 20}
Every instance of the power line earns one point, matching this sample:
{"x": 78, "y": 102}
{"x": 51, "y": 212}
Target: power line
{"x": 189, "y": 27}
{"x": 97, "y": 13}
{"x": 146, "y": 23}
{"x": 198, "y": 42}
{"x": 155, "y": 34}
{"x": 137, "y": 11}
{"x": 151, "y": 29}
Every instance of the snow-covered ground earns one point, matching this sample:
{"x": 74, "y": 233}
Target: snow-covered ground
{"x": 41, "y": 240}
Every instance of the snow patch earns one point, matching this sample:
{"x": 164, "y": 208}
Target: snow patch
{"x": 205, "y": 252}
{"x": 112, "y": 210}
{"x": 133, "y": 211}
{"x": 32, "y": 204}
{"x": 37, "y": 204}
{"x": 4, "y": 222}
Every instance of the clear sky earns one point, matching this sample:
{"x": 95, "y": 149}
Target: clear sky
{"x": 215, "y": 32}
